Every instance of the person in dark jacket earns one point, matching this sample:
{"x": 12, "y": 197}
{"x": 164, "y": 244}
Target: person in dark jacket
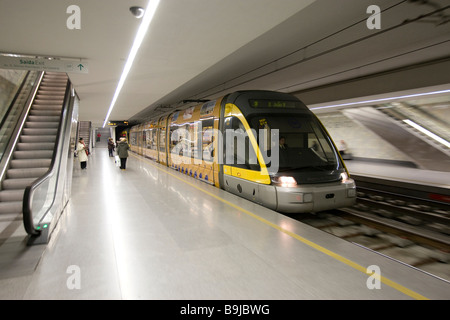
{"x": 122, "y": 152}
{"x": 111, "y": 147}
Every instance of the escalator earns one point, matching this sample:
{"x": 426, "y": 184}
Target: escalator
{"x": 35, "y": 183}
{"x": 84, "y": 131}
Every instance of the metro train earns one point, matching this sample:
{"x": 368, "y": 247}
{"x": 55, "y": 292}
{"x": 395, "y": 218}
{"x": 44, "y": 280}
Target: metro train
{"x": 265, "y": 146}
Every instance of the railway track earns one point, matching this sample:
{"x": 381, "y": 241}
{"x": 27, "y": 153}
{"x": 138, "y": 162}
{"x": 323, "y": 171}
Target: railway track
{"x": 413, "y": 231}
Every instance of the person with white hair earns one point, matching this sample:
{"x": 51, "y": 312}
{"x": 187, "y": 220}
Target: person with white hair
{"x": 82, "y": 153}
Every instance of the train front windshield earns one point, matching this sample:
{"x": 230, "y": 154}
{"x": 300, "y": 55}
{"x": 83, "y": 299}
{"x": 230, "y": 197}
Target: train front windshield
{"x": 304, "y": 146}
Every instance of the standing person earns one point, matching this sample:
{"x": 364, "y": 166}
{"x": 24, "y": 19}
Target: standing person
{"x": 82, "y": 152}
{"x": 342, "y": 147}
{"x": 122, "y": 152}
{"x": 110, "y": 147}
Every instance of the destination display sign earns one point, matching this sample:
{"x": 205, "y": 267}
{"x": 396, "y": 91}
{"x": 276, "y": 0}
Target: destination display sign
{"x": 41, "y": 64}
{"x": 275, "y": 104}
{"x": 117, "y": 123}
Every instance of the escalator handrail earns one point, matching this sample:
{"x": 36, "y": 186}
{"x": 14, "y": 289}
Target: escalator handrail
{"x": 28, "y": 220}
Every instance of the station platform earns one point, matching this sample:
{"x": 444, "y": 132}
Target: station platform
{"x": 150, "y": 232}
{"x": 390, "y": 172}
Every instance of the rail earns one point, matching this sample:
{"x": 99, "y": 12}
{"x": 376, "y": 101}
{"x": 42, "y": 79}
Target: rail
{"x": 423, "y": 209}
{"x": 39, "y": 198}
{"x": 422, "y": 246}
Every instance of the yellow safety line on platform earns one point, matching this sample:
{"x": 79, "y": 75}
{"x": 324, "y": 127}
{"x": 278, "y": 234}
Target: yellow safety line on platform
{"x": 336, "y": 256}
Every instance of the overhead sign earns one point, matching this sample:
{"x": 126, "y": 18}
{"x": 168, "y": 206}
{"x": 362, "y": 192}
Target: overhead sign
{"x": 41, "y": 64}
{"x": 117, "y": 123}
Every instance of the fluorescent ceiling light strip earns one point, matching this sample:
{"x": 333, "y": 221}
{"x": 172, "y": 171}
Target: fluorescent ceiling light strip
{"x": 428, "y": 133}
{"x": 383, "y": 99}
{"x": 148, "y": 16}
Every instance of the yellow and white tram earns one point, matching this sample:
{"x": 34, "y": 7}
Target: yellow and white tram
{"x": 265, "y": 146}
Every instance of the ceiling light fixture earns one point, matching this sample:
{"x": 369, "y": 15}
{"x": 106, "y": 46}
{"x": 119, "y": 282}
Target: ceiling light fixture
{"x": 148, "y": 16}
{"x": 409, "y": 96}
{"x": 427, "y": 132}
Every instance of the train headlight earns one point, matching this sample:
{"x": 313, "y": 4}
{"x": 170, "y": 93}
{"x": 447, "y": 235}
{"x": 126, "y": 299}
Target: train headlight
{"x": 350, "y": 184}
{"x": 344, "y": 177}
{"x": 286, "y": 181}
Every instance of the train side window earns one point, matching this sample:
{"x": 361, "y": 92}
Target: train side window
{"x": 173, "y": 137}
{"x": 207, "y": 140}
{"x": 154, "y": 139}
{"x": 182, "y": 138}
{"x": 149, "y": 138}
{"x": 162, "y": 140}
{"x": 146, "y": 135}
{"x": 318, "y": 143}
{"x": 239, "y": 151}
{"x": 133, "y": 138}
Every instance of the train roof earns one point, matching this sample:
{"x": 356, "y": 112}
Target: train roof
{"x": 250, "y": 102}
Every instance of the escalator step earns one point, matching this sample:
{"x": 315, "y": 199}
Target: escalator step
{"x": 25, "y": 173}
{"x": 30, "y": 163}
{"x": 11, "y": 207}
{"x": 25, "y": 146}
{"x": 22, "y": 183}
{"x": 35, "y": 154}
{"x": 11, "y": 195}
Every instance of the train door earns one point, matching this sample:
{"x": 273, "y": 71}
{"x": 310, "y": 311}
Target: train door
{"x": 162, "y": 140}
{"x": 212, "y": 139}
{"x": 151, "y": 143}
{"x": 140, "y": 140}
{"x": 206, "y": 150}
{"x": 134, "y": 132}
{"x": 146, "y": 140}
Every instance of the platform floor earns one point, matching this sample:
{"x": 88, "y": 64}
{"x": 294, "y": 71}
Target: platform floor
{"x": 152, "y": 233}
{"x": 383, "y": 171}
